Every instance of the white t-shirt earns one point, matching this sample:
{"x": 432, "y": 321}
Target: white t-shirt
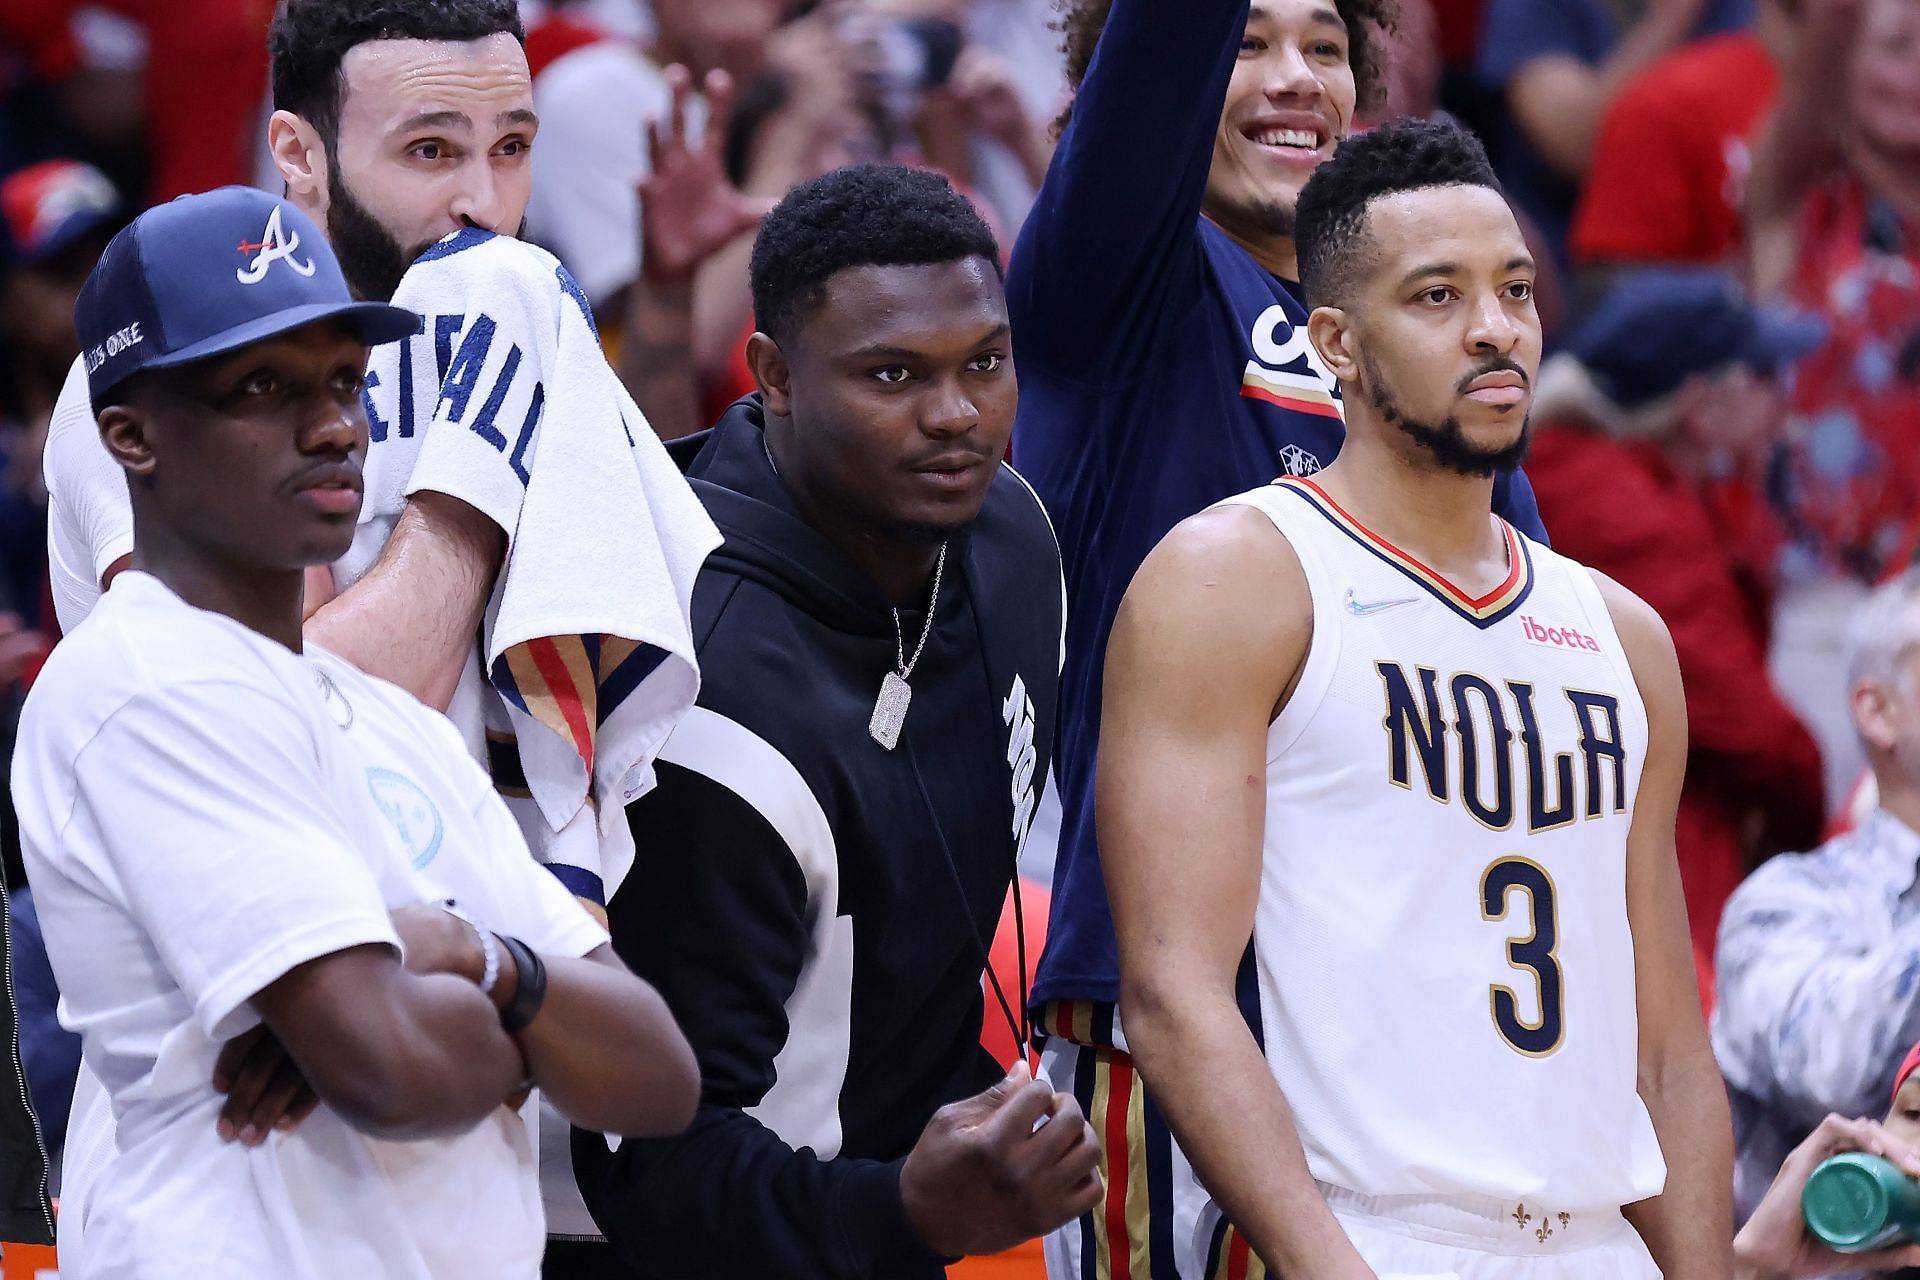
{"x": 200, "y": 814}
{"x": 89, "y": 516}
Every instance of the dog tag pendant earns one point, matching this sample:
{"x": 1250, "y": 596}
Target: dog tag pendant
{"x": 890, "y": 711}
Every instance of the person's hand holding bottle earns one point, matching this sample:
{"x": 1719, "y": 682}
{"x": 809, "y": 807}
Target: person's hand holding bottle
{"x": 1775, "y": 1243}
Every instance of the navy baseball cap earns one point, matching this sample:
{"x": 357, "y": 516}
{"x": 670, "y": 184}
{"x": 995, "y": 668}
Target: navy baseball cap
{"x": 206, "y": 274}
{"x": 1656, "y": 327}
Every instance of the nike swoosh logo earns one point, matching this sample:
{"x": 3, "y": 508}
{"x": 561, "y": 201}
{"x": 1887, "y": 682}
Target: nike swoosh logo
{"x": 1361, "y": 609}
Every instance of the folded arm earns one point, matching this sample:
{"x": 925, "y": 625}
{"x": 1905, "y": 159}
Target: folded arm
{"x": 397, "y": 1054}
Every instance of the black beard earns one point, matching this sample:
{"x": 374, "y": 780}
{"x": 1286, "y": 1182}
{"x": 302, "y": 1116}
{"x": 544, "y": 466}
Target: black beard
{"x": 371, "y": 259}
{"x": 1447, "y": 442}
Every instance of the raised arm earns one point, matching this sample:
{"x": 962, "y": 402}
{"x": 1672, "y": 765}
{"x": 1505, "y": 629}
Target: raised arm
{"x": 1557, "y": 97}
{"x": 1689, "y": 1226}
{"x": 415, "y": 617}
{"x": 1182, "y": 809}
{"x": 1799, "y": 146}
{"x": 1114, "y": 226}
{"x": 689, "y": 212}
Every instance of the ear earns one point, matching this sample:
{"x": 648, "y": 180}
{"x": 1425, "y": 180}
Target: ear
{"x": 301, "y": 157}
{"x": 1873, "y": 715}
{"x": 123, "y": 429}
{"x": 1695, "y": 397}
{"x": 771, "y": 373}
{"x": 1330, "y": 330}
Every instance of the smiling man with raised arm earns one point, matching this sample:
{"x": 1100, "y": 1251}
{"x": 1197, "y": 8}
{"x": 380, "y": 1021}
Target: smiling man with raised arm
{"x": 1164, "y": 365}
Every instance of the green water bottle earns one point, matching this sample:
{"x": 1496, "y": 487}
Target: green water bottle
{"x": 1856, "y": 1202}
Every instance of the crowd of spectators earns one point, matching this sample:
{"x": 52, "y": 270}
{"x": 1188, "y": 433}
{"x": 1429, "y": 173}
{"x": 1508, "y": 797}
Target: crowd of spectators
{"x": 1725, "y": 199}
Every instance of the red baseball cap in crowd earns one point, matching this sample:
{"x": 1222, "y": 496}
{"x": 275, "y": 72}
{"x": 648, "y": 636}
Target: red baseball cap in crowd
{"x": 48, "y": 206}
{"x": 1907, "y": 1068}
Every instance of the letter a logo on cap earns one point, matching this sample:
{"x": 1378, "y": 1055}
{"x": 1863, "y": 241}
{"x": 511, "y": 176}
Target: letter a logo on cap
{"x": 275, "y": 246}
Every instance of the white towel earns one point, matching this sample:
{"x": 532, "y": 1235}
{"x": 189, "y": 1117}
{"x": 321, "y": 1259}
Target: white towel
{"x": 586, "y": 660}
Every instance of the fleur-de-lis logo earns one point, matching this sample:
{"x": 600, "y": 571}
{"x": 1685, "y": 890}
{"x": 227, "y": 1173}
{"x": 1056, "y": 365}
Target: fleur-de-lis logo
{"x": 1542, "y": 1232}
{"x": 1521, "y": 1217}
{"x": 1565, "y": 1218}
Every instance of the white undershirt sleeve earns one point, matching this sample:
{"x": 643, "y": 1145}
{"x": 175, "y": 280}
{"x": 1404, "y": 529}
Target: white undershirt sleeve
{"x": 90, "y": 517}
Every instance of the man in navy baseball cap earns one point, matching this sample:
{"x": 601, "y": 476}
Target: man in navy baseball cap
{"x": 1656, "y": 328}
{"x": 1654, "y": 427}
{"x": 225, "y": 360}
{"x": 205, "y": 274}
{"x": 304, "y": 1055}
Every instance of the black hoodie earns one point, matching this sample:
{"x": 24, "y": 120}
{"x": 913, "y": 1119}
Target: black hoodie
{"x": 814, "y": 908}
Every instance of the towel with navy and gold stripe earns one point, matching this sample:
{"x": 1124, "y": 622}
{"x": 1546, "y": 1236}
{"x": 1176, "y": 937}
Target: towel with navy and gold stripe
{"x": 585, "y": 659}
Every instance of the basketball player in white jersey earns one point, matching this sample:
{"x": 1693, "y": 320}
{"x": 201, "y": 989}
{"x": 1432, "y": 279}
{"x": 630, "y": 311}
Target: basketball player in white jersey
{"x": 1429, "y": 769}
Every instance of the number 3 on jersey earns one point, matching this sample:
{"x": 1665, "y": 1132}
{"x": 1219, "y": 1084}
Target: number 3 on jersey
{"x": 1533, "y": 953}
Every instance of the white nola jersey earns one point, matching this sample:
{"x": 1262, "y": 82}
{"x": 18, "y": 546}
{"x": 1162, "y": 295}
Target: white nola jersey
{"x": 1445, "y": 970}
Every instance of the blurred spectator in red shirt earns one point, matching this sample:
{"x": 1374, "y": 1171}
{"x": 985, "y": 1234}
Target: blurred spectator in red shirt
{"x": 560, "y": 29}
{"x": 1670, "y": 166}
{"x": 206, "y": 78}
{"x": 1833, "y": 224}
{"x": 1668, "y": 384}
{"x": 1557, "y": 64}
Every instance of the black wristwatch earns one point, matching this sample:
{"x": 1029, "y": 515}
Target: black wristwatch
{"x": 531, "y": 990}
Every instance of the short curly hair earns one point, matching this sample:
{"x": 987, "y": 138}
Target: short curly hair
{"x": 1407, "y": 155}
{"x": 310, "y": 38}
{"x": 865, "y": 215}
{"x": 1081, "y": 22}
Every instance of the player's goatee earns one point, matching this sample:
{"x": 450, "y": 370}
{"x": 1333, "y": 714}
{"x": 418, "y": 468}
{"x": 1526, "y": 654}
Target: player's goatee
{"x": 1447, "y": 441}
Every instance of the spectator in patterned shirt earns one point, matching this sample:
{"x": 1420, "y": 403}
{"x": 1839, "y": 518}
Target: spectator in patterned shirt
{"x": 1833, "y": 224}
{"x": 1819, "y": 960}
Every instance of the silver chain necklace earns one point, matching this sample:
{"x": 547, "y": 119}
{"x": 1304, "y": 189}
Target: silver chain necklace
{"x": 896, "y": 695}
{"x": 890, "y": 708}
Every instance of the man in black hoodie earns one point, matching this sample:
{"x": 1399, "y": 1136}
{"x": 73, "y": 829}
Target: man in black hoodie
{"x": 837, "y": 822}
